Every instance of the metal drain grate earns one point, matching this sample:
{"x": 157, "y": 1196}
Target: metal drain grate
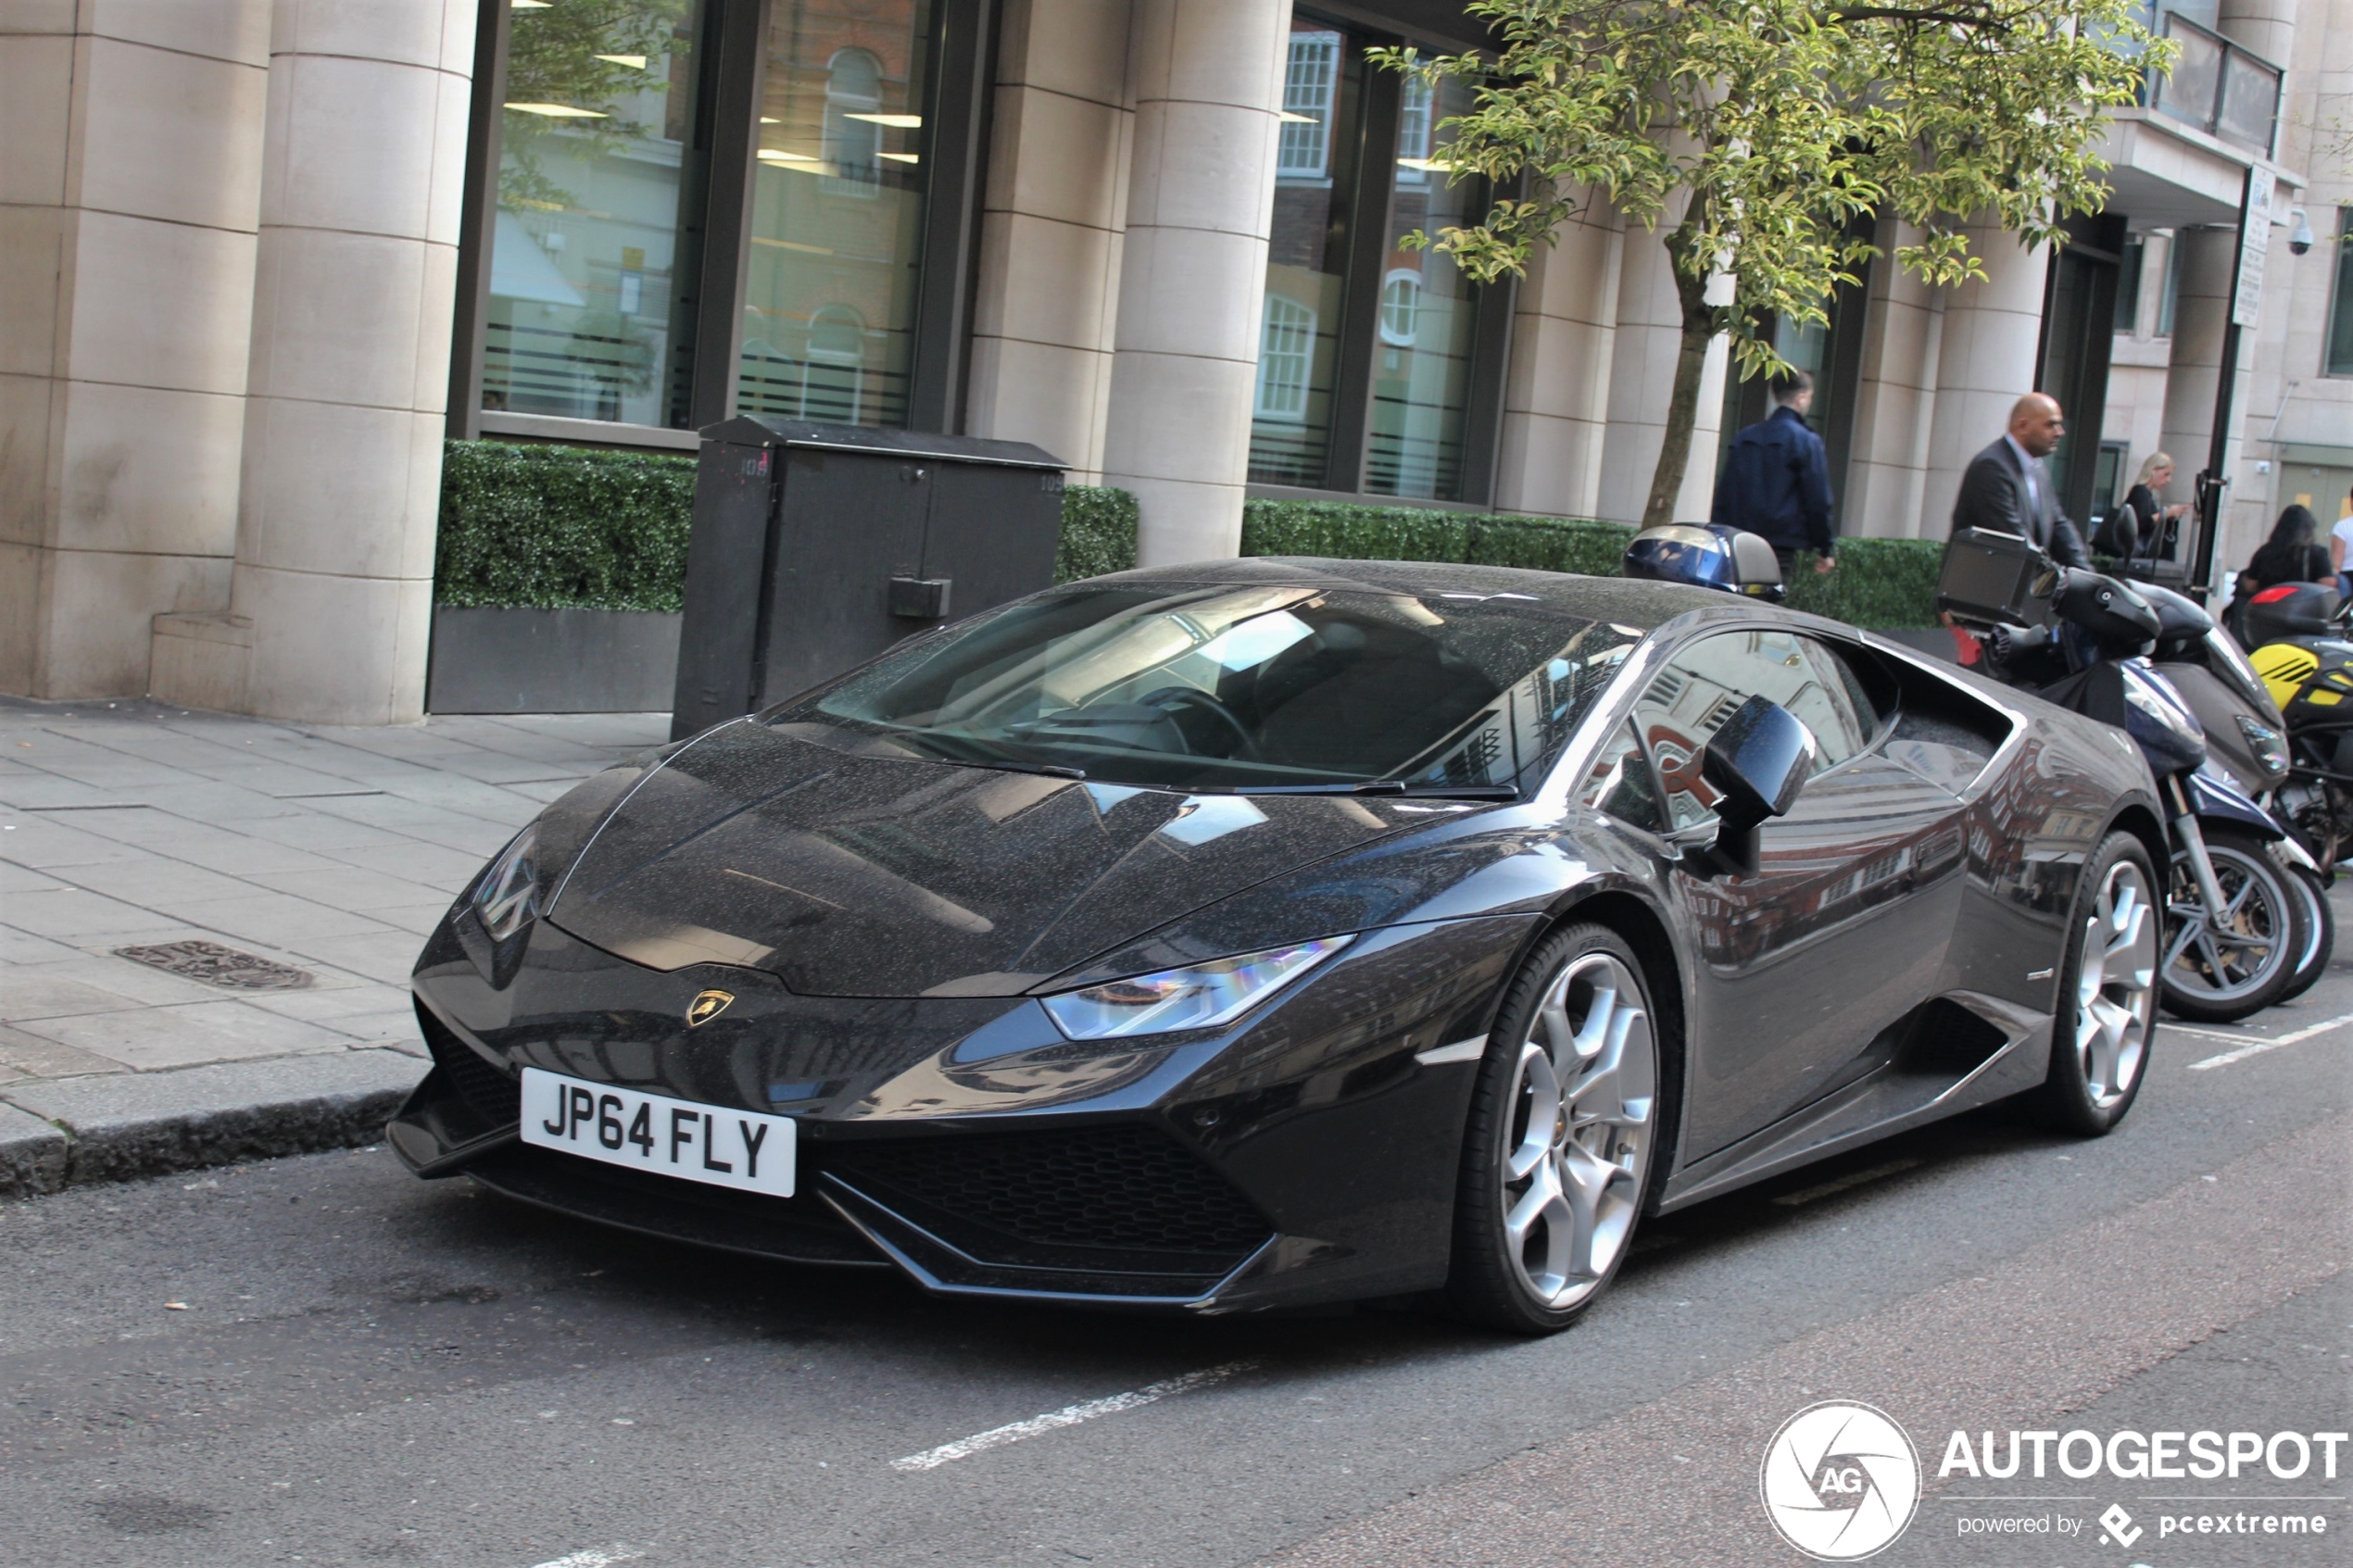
{"x": 217, "y": 965}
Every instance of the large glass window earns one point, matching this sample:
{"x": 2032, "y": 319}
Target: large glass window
{"x": 588, "y": 313}
{"x": 1365, "y": 375}
{"x": 837, "y": 212}
{"x": 2339, "y": 361}
{"x": 1307, "y": 260}
{"x": 1421, "y": 375}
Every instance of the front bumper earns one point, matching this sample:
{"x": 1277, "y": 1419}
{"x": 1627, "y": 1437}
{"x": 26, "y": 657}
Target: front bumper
{"x": 1303, "y": 1156}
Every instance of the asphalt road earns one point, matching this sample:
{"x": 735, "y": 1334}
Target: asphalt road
{"x": 370, "y": 1369}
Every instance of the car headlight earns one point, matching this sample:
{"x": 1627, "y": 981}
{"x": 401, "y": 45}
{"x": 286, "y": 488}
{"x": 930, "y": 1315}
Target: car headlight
{"x": 507, "y": 894}
{"x": 2269, "y": 746}
{"x": 1203, "y": 997}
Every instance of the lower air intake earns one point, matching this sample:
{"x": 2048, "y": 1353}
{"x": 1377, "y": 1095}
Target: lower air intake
{"x": 1120, "y": 1188}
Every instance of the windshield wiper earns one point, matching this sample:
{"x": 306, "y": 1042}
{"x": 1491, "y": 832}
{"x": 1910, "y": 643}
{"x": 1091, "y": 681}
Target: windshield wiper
{"x": 1391, "y": 787}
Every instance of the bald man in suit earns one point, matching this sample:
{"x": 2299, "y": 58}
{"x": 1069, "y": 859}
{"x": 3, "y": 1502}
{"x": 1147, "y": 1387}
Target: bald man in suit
{"x": 2007, "y": 489}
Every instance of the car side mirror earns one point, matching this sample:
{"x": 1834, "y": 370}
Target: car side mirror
{"x": 1757, "y": 761}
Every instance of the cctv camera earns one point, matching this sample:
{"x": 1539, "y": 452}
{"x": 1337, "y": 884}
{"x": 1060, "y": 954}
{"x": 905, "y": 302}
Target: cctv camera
{"x": 2299, "y": 237}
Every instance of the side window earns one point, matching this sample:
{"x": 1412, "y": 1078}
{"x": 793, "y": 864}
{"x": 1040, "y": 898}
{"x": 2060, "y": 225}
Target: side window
{"x": 1707, "y": 683}
{"x": 1620, "y": 783}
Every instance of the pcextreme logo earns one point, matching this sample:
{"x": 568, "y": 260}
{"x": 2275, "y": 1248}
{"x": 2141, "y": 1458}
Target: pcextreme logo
{"x": 1840, "y": 1481}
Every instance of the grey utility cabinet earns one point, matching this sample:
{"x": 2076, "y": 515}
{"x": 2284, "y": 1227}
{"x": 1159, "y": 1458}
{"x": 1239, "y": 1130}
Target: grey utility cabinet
{"x": 817, "y": 546}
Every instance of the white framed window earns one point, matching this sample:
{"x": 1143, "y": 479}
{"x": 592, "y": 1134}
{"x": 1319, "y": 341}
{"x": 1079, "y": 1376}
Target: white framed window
{"x": 1413, "y": 132}
{"x": 853, "y": 144}
{"x": 1400, "y": 307}
{"x": 1310, "y": 82}
{"x": 1285, "y": 358}
{"x": 834, "y": 374}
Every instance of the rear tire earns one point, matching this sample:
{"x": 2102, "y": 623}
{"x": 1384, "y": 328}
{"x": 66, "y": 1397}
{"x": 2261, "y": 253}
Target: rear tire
{"x": 1558, "y": 1154}
{"x": 2221, "y": 977}
{"x": 2105, "y": 1019}
{"x": 2320, "y": 932}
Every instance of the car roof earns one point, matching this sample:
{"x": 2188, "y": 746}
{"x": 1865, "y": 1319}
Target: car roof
{"x": 1644, "y": 605}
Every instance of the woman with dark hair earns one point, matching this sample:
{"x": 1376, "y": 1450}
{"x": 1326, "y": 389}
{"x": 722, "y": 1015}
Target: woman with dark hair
{"x": 2291, "y": 554}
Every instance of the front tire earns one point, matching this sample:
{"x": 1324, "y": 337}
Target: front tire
{"x": 2223, "y": 970}
{"x": 2106, "y": 1014}
{"x": 1557, "y": 1154}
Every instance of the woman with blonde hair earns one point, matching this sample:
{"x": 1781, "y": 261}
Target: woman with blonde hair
{"x": 2139, "y": 525}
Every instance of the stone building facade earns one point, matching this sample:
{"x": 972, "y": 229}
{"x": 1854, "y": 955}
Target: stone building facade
{"x": 259, "y": 258}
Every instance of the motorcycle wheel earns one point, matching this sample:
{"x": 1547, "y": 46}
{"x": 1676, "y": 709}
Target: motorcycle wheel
{"x": 2222, "y": 971}
{"x": 2319, "y": 933}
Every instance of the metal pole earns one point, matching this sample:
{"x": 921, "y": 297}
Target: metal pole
{"x": 2246, "y": 283}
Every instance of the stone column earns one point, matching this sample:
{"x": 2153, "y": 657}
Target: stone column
{"x": 1984, "y": 364}
{"x": 1048, "y": 296}
{"x": 362, "y": 177}
{"x": 1209, "y": 83}
{"x": 130, "y": 187}
{"x": 1642, "y": 383}
{"x": 1903, "y": 331}
{"x": 2268, "y": 27}
{"x": 1556, "y": 395}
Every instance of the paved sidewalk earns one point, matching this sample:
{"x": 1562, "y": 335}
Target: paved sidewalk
{"x": 330, "y": 850}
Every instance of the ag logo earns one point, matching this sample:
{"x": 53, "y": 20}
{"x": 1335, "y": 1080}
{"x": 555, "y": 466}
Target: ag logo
{"x": 1840, "y": 1481}
{"x": 707, "y": 1006}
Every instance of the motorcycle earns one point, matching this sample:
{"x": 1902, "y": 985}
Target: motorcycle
{"x": 2240, "y": 927}
{"x": 2247, "y": 736}
{"x": 2299, "y": 647}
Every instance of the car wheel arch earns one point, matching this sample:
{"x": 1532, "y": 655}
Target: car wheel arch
{"x": 1643, "y": 928}
{"x": 2139, "y": 818}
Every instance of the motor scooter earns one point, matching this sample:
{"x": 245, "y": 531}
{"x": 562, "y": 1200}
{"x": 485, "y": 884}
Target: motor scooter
{"x": 2239, "y": 928}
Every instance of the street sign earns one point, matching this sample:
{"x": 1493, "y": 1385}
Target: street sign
{"x": 2255, "y": 237}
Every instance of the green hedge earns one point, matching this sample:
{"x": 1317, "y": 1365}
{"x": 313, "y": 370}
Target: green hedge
{"x": 1099, "y": 532}
{"x": 561, "y": 527}
{"x": 1882, "y": 584}
{"x": 569, "y": 527}
{"x": 555, "y": 527}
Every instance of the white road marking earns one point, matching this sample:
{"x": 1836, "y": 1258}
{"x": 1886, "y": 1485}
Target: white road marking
{"x": 1808, "y": 1195}
{"x": 1069, "y": 1415}
{"x": 594, "y": 1556}
{"x": 2257, "y": 1047}
{"x": 1461, "y": 1050}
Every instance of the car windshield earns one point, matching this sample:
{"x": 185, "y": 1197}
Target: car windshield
{"x": 1218, "y": 687}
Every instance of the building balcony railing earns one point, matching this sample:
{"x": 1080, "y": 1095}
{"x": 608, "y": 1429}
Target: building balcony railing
{"x": 2219, "y": 87}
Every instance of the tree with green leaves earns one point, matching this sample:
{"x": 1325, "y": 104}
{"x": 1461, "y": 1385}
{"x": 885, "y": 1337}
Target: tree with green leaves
{"x": 1760, "y": 136}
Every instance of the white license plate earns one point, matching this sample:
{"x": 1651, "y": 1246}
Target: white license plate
{"x": 677, "y": 1137}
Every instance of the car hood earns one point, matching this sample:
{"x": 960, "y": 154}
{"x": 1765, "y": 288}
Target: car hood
{"x": 847, "y": 866}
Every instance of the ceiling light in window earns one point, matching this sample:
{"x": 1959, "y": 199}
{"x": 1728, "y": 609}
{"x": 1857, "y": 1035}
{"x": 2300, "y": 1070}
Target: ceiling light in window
{"x": 777, "y": 154}
{"x": 1427, "y": 165}
{"x": 770, "y": 119}
{"x": 897, "y": 121}
{"x": 899, "y": 157}
{"x": 1290, "y": 119}
{"x": 634, "y": 62}
{"x": 530, "y": 5}
{"x": 558, "y": 111}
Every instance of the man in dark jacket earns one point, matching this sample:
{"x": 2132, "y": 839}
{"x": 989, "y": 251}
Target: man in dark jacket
{"x": 2006, "y": 488}
{"x": 1776, "y": 479}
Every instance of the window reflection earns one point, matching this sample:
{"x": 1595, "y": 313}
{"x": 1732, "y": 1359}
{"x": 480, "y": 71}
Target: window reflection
{"x": 585, "y": 319}
{"x": 1307, "y": 258}
{"x": 1421, "y": 372}
{"x": 837, "y": 212}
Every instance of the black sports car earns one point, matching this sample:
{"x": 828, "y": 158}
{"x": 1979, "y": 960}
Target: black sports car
{"x": 1275, "y": 932}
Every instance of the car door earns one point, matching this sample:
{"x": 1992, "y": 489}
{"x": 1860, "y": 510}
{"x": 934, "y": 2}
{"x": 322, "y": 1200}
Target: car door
{"x": 1847, "y": 923}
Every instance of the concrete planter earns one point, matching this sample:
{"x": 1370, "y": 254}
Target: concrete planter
{"x": 551, "y": 661}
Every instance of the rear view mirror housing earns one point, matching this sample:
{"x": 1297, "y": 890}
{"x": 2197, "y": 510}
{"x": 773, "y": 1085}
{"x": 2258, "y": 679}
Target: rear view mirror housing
{"x": 1757, "y": 761}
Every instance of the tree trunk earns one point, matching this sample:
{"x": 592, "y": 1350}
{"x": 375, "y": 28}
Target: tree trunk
{"x": 1682, "y": 404}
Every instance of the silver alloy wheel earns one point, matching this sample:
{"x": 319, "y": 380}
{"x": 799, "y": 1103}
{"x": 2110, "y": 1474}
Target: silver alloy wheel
{"x": 1578, "y": 1143}
{"x": 2116, "y": 986}
{"x": 2223, "y": 960}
